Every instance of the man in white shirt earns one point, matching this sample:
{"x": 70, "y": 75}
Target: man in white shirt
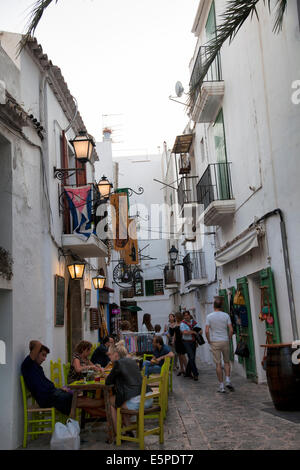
{"x": 218, "y": 332}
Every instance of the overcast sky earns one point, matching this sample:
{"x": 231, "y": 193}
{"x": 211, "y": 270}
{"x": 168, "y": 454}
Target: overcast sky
{"x": 120, "y": 58}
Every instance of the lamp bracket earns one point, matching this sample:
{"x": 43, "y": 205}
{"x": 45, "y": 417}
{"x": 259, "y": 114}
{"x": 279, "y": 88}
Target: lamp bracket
{"x": 62, "y": 173}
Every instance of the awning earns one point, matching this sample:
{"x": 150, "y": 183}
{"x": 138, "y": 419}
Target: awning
{"x": 239, "y": 247}
{"x": 133, "y": 308}
{"x": 183, "y": 143}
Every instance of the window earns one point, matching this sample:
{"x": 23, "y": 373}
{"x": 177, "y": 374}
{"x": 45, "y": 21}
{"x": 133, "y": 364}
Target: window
{"x": 154, "y": 287}
{"x": 211, "y": 24}
{"x": 139, "y": 289}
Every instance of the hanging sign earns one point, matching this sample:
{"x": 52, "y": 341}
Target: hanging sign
{"x": 130, "y": 253}
{"x": 119, "y": 211}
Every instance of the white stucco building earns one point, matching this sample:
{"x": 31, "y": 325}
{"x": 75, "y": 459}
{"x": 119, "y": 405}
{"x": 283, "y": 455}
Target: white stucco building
{"x": 38, "y": 118}
{"x": 244, "y": 153}
{"x": 135, "y": 172}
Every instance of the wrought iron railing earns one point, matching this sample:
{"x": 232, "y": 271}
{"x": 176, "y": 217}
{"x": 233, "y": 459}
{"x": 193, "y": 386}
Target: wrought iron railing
{"x": 194, "y": 266}
{"x": 187, "y": 190}
{"x": 214, "y": 73}
{"x": 215, "y": 184}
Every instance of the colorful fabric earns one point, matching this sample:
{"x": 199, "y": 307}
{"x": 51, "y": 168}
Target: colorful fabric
{"x": 80, "y": 205}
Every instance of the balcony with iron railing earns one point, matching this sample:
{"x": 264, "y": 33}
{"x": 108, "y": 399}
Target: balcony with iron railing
{"x": 206, "y": 96}
{"x": 78, "y": 209}
{"x": 187, "y": 190}
{"x": 214, "y": 191}
{"x": 194, "y": 269}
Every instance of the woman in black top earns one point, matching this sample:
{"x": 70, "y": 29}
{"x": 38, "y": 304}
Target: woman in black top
{"x": 179, "y": 346}
{"x": 170, "y": 330}
{"x": 127, "y": 378}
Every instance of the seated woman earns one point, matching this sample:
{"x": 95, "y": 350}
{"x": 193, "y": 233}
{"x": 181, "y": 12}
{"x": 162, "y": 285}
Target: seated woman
{"x": 81, "y": 362}
{"x": 126, "y": 377}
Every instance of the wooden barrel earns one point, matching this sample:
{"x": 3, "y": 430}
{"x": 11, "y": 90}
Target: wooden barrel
{"x": 283, "y": 377}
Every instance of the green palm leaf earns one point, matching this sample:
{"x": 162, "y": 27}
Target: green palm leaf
{"x": 35, "y": 16}
{"x": 235, "y": 15}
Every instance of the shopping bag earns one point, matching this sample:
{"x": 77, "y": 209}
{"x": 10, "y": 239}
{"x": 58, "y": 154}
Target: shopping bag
{"x": 66, "y": 437}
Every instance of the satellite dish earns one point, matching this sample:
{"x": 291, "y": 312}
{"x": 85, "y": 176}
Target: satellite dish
{"x": 179, "y": 89}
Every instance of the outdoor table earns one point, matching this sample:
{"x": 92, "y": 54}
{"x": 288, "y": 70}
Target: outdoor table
{"x": 79, "y": 386}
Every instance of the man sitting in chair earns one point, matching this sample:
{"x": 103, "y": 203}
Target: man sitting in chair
{"x": 160, "y": 352}
{"x": 43, "y": 390}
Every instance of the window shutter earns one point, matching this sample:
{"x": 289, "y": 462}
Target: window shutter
{"x": 267, "y": 280}
{"x": 149, "y": 286}
{"x": 95, "y": 321}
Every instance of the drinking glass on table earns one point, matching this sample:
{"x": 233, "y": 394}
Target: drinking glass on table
{"x": 84, "y": 373}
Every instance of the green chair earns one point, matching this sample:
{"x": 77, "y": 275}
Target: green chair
{"x": 36, "y": 420}
{"x": 155, "y": 412}
{"x": 55, "y": 373}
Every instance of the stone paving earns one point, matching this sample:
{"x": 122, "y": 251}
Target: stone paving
{"x": 200, "y": 418}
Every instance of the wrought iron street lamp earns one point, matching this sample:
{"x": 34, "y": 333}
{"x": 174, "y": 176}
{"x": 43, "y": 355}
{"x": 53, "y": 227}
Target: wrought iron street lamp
{"x": 83, "y": 146}
{"x": 104, "y": 188}
{"x": 99, "y": 281}
{"x": 76, "y": 270}
{"x": 173, "y": 254}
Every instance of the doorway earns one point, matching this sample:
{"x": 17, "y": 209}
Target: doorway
{"x": 74, "y": 317}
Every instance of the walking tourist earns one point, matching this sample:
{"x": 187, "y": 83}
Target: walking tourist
{"x": 187, "y": 328}
{"x": 147, "y": 326}
{"x": 170, "y": 332}
{"x": 178, "y": 344}
{"x": 80, "y": 362}
{"x": 43, "y": 390}
{"x": 160, "y": 352}
{"x": 126, "y": 377}
{"x": 218, "y": 332}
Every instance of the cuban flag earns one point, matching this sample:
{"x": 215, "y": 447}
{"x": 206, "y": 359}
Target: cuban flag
{"x": 80, "y": 205}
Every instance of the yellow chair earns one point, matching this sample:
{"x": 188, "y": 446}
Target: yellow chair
{"x": 171, "y": 374}
{"x": 66, "y": 368}
{"x": 40, "y": 420}
{"x": 155, "y": 412}
{"x": 55, "y": 373}
{"x": 165, "y": 374}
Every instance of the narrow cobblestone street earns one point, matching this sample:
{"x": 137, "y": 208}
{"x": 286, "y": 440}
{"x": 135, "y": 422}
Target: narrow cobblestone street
{"x": 200, "y": 418}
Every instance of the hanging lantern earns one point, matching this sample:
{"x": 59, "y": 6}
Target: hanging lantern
{"x": 173, "y": 253}
{"x": 99, "y": 281}
{"x": 83, "y": 146}
{"x": 104, "y": 188}
{"x": 76, "y": 270}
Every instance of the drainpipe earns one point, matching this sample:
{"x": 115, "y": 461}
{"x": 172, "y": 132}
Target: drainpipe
{"x": 287, "y": 267}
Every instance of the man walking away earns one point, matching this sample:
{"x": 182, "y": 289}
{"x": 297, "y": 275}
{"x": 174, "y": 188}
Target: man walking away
{"x": 218, "y": 332}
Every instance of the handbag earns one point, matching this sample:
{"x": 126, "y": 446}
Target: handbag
{"x": 242, "y": 349}
{"x": 199, "y": 339}
{"x": 243, "y": 316}
{"x": 239, "y": 298}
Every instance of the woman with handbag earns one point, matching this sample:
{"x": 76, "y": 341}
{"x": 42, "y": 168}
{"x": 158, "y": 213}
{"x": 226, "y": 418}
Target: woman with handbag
{"x": 189, "y": 340}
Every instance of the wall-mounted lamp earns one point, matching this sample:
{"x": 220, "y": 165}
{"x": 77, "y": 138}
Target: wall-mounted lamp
{"x": 83, "y": 146}
{"x": 76, "y": 270}
{"x": 99, "y": 281}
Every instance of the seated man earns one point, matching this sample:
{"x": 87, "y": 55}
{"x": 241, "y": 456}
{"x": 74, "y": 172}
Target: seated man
{"x": 160, "y": 352}
{"x": 43, "y": 390}
{"x": 100, "y": 356}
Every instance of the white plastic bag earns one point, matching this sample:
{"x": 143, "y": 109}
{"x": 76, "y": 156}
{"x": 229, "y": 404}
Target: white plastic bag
{"x": 66, "y": 437}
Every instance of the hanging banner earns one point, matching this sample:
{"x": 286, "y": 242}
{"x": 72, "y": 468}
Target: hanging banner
{"x": 130, "y": 253}
{"x": 80, "y": 205}
{"x": 119, "y": 214}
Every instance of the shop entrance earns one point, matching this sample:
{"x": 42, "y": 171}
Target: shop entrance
{"x": 74, "y": 316}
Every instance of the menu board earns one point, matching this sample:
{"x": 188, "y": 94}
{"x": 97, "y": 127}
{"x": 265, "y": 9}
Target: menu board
{"x": 59, "y": 300}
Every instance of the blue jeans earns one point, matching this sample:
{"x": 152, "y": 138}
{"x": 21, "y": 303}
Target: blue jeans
{"x": 190, "y": 347}
{"x": 151, "y": 368}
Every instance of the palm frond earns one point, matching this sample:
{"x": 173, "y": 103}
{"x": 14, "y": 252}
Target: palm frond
{"x": 235, "y": 15}
{"x": 35, "y": 16}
